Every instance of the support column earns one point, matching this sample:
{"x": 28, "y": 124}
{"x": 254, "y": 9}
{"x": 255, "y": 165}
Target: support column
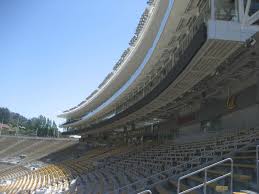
{"x": 212, "y": 9}
{"x": 133, "y": 126}
{"x": 203, "y": 112}
{"x": 125, "y": 134}
{"x": 257, "y": 97}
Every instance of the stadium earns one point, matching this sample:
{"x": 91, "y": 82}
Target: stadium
{"x": 179, "y": 113}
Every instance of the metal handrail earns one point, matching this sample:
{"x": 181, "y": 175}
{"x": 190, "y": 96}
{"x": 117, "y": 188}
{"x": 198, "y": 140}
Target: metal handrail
{"x": 162, "y": 173}
{"x": 206, "y": 182}
{"x": 145, "y": 192}
{"x": 170, "y": 172}
{"x": 257, "y": 164}
{"x": 158, "y": 75}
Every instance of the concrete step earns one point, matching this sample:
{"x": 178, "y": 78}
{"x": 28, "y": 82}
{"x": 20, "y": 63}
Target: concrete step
{"x": 161, "y": 190}
{"x": 199, "y": 180}
{"x": 250, "y": 166}
{"x": 247, "y": 151}
{"x": 237, "y": 177}
{"x": 244, "y": 157}
{"x": 183, "y": 186}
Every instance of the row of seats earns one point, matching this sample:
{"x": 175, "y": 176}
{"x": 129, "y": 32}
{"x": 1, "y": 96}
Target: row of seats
{"x": 31, "y": 149}
{"x": 17, "y": 152}
{"x": 41, "y": 178}
{"x": 244, "y": 177}
{"x": 138, "y": 165}
{"x": 108, "y": 169}
{"x": 56, "y": 177}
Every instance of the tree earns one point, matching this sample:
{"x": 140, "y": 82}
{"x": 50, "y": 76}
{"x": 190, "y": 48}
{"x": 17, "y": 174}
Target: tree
{"x": 5, "y": 115}
{"x": 41, "y": 125}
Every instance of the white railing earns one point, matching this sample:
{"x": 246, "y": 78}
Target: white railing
{"x": 210, "y": 156}
{"x": 206, "y": 181}
{"x": 145, "y": 17}
{"x": 145, "y": 192}
{"x": 257, "y": 164}
{"x": 156, "y": 75}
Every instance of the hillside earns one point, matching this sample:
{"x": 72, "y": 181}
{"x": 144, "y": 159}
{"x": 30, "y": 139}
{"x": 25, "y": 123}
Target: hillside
{"x": 40, "y": 126}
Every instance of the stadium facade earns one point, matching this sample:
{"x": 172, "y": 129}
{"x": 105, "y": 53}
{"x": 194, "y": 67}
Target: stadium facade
{"x": 185, "y": 68}
{"x": 178, "y": 113}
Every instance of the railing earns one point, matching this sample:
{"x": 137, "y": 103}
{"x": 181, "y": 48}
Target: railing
{"x": 145, "y": 192}
{"x": 208, "y": 157}
{"x": 157, "y": 75}
{"x": 257, "y": 164}
{"x": 206, "y": 182}
{"x": 167, "y": 174}
{"x": 164, "y": 175}
{"x": 139, "y": 30}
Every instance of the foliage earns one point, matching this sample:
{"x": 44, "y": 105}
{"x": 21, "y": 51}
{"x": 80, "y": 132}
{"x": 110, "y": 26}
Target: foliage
{"x": 40, "y": 126}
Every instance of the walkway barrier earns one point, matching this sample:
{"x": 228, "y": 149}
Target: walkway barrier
{"x": 206, "y": 181}
{"x": 257, "y": 164}
{"x": 145, "y": 192}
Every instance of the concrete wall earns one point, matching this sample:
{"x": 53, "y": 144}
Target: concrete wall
{"x": 245, "y": 118}
{"x": 215, "y": 115}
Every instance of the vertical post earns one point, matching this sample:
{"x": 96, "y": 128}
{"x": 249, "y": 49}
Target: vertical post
{"x": 212, "y": 9}
{"x": 237, "y": 9}
{"x": 241, "y": 11}
{"x": 178, "y": 186}
{"x": 125, "y": 131}
{"x": 257, "y": 165}
{"x": 205, "y": 182}
{"x": 2, "y": 126}
{"x": 247, "y": 9}
{"x": 17, "y": 129}
{"x": 231, "y": 176}
{"x": 144, "y": 89}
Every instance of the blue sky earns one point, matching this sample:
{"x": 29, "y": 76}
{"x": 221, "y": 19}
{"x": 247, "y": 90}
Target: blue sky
{"x": 54, "y": 53}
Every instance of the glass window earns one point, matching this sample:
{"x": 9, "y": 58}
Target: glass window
{"x": 226, "y": 10}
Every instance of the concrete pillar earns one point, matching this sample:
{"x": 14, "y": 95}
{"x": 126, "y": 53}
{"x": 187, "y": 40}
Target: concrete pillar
{"x": 212, "y": 9}
{"x": 257, "y": 95}
{"x": 133, "y": 126}
{"x": 125, "y": 134}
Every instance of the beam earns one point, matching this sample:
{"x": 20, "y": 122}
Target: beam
{"x": 253, "y": 18}
{"x": 248, "y": 6}
{"x": 241, "y": 11}
{"x": 191, "y": 13}
{"x": 212, "y": 9}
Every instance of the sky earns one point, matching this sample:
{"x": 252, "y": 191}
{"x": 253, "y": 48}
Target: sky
{"x": 54, "y": 53}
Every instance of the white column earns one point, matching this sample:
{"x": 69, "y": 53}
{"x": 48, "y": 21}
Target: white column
{"x": 253, "y": 18}
{"x": 212, "y": 9}
{"x": 248, "y": 5}
{"x": 241, "y": 11}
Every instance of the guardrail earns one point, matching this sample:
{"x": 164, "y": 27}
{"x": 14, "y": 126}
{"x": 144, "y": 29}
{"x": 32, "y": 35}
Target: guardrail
{"x": 145, "y": 192}
{"x": 206, "y": 182}
{"x": 189, "y": 166}
{"x": 157, "y": 75}
{"x": 161, "y": 176}
{"x": 139, "y": 30}
{"x": 257, "y": 164}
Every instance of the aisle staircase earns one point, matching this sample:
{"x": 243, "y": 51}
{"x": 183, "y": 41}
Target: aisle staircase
{"x": 244, "y": 177}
